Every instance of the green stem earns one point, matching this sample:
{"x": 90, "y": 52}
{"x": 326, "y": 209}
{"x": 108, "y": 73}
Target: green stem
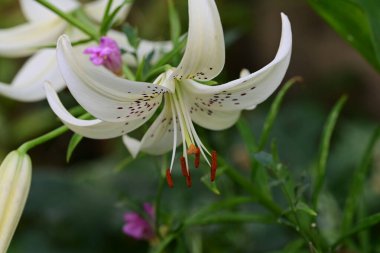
{"x": 247, "y": 185}
{"x": 70, "y": 19}
{"x": 24, "y": 148}
{"x": 158, "y": 198}
{"x": 128, "y": 73}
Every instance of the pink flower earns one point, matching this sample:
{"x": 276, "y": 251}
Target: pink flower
{"x": 139, "y": 227}
{"x": 107, "y": 54}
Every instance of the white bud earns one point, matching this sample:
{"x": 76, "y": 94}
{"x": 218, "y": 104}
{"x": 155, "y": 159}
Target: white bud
{"x": 15, "y": 178}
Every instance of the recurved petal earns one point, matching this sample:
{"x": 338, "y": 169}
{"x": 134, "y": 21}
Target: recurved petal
{"x": 214, "y": 119}
{"x": 28, "y": 85}
{"x": 95, "y": 9}
{"x": 205, "y": 53}
{"x": 103, "y": 94}
{"x": 25, "y": 39}
{"x": 95, "y": 129}
{"x": 33, "y": 11}
{"x": 145, "y": 47}
{"x": 159, "y": 138}
{"x": 249, "y": 90}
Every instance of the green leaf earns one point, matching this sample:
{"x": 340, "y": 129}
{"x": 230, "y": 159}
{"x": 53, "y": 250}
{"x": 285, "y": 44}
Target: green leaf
{"x": 233, "y": 217}
{"x": 70, "y": 19}
{"x": 132, "y": 35}
{"x": 320, "y": 168}
{"x": 357, "y": 183}
{"x": 357, "y": 21}
{"x": 108, "y": 19}
{"x": 175, "y": 23}
{"x": 364, "y": 224}
{"x": 302, "y": 206}
{"x": 274, "y": 111}
{"x": 164, "y": 243}
{"x": 218, "y": 206}
{"x": 263, "y": 158}
{"x": 166, "y": 58}
{"x": 212, "y": 185}
{"x": 247, "y": 135}
{"x": 74, "y": 141}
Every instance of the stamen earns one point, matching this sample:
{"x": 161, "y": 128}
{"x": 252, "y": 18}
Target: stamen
{"x": 197, "y": 158}
{"x": 214, "y": 165}
{"x": 185, "y": 172}
{"x": 169, "y": 178}
{"x": 188, "y": 181}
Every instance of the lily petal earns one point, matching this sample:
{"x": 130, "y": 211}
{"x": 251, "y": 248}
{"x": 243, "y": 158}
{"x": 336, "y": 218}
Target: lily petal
{"x": 25, "y": 39}
{"x": 95, "y": 129}
{"x": 243, "y": 93}
{"x": 95, "y": 9}
{"x": 205, "y": 53}
{"x": 103, "y": 94}
{"x": 28, "y": 84}
{"x": 159, "y": 137}
{"x": 145, "y": 47}
{"x": 33, "y": 11}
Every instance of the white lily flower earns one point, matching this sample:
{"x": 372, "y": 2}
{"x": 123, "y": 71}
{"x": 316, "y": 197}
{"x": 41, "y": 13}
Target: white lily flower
{"x": 121, "y": 105}
{"x": 43, "y": 28}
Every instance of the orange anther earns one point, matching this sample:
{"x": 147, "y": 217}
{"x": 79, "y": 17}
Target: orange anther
{"x": 197, "y": 158}
{"x": 188, "y": 181}
{"x": 185, "y": 173}
{"x": 169, "y": 178}
{"x": 214, "y": 165}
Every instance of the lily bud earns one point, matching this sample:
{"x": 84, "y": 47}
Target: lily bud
{"x": 15, "y": 178}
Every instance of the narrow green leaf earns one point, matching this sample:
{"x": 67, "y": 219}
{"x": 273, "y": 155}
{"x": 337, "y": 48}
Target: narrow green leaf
{"x": 108, "y": 19}
{"x": 293, "y": 247}
{"x": 212, "y": 186}
{"x": 175, "y": 23}
{"x": 140, "y": 69}
{"x": 357, "y": 183}
{"x": 132, "y": 35}
{"x": 302, "y": 206}
{"x": 364, "y": 224}
{"x": 164, "y": 243}
{"x": 74, "y": 141}
{"x": 252, "y": 189}
{"x": 233, "y": 217}
{"x": 320, "y": 168}
{"x": 364, "y": 236}
{"x": 372, "y": 8}
{"x": 166, "y": 58}
{"x": 247, "y": 135}
{"x": 357, "y": 21}
{"x": 124, "y": 164}
{"x": 105, "y": 15}
{"x": 70, "y": 19}
{"x": 274, "y": 111}
{"x": 218, "y": 206}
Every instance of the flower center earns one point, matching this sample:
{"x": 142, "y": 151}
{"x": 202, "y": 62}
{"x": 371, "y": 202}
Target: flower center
{"x": 106, "y": 54}
{"x": 192, "y": 145}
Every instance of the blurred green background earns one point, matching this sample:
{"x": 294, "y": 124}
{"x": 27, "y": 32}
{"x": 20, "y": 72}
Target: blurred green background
{"x": 78, "y": 206}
